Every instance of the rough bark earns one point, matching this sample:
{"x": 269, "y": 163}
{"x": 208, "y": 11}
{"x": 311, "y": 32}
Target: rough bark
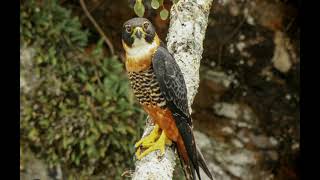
{"x": 188, "y": 23}
{"x": 248, "y": 98}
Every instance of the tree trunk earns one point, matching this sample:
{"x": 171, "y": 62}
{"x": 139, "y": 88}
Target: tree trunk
{"x": 188, "y": 23}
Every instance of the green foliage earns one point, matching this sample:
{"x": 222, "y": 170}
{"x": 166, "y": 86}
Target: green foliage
{"x": 48, "y": 24}
{"x": 76, "y": 107}
{"x": 164, "y": 14}
{"x": 139, "y": 8}
{"x": 155, "y": 4}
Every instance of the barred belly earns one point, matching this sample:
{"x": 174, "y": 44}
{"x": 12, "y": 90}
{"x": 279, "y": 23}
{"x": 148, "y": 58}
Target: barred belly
{"x": 146, "y": 88}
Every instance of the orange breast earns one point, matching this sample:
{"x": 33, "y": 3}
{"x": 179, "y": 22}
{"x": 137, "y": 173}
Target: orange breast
{"x": 137, "y": 65}
{"x": 164, "y": 119}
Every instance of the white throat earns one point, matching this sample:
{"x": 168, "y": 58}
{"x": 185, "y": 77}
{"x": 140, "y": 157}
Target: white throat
{"x": 140, "y": 48}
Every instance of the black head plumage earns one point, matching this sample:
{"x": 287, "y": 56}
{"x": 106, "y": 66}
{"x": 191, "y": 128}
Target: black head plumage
{"x": 137, "y": 28}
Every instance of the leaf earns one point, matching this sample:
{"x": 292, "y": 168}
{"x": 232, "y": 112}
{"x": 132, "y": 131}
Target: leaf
{"x": 65, "y": 143}
{"x": 139, "y": 8}
{"x": 110, "y": 109}
{"x": 82, "y": 76}
{"x": 175, "y": 1}
{"x": 155, "y": 4}
{"x": 102, "y": 151}
{"x": 77, "y": 160}
{"x": 82, "y": 144}
{"x": 99, "y": 96}
{"x": 54, "y": 61}
{"x": 164, "y": 14}
{"x": 33, "y": 134}
{"x": 90, "y": 88}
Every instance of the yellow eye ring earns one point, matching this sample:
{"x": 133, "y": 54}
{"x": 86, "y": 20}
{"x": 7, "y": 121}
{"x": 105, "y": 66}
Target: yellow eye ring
{"x": 145, "y": 25}
{"x": 128, "y": 28}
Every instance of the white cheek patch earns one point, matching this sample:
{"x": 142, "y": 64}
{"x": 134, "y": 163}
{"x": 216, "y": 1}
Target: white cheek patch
{"x": 140, "y": 48}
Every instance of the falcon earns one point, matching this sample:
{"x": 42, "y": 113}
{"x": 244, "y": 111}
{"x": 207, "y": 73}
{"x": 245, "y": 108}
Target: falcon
{"x": 159, "y": 86}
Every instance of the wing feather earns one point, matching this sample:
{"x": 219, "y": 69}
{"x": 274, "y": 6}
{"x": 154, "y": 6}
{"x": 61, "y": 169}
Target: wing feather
{"x": 171, "y": 82}
{"x": 173, "y": 88}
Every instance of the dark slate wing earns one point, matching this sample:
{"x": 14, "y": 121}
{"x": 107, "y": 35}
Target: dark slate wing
{"x": 173, "y": 88}
{"x": 171, "y": 81}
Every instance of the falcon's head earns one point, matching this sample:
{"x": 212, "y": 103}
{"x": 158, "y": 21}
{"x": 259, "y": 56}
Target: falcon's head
{"x": 138, "y": 32}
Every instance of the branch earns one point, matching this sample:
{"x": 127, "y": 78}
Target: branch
{"x": 105, "y": 38}
{"x": 188, "y": 23}
{"x": 153, "y": 166}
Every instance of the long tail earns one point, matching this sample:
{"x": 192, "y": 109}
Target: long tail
{"x": 188, "y": 173}
{"x": 190, "y": 156}
{"x": 203, "y": 163}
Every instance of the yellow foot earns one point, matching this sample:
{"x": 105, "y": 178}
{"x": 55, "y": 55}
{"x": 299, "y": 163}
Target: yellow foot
{"x": 149, "y": 139}
{"x": 160, "y": 144}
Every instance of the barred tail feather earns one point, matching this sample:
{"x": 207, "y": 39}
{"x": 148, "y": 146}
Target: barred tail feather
{"x": 186, "y": 164}
{"x": 203, "y": 163}
{"x": 187, "y": 170}
{"x": 191, "y": 155}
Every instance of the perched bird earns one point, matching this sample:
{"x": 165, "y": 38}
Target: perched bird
{"x": 159, "y": 86}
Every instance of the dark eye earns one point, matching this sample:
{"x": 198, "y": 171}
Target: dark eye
{"x": 145, "y": 25}
{"x": 128, "y": 28}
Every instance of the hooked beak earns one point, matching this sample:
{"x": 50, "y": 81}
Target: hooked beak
{"x": 138, "y": 32}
